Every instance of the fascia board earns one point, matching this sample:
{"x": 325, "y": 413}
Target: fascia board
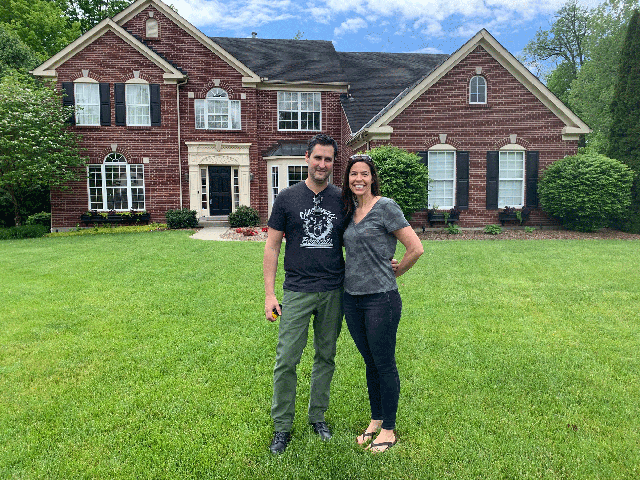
{"x": 47, "y": 69}
{"x": 136, "y": 7}
{"x": 508, "y": 61}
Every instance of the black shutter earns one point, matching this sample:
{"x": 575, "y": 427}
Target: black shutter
{"x": 155, "y": 105}
{"x": 105, "y": 104}
{"x": 532, "y": 179}
{"x": 68, "y": 99}
{"x": 462, "y": 180}
{"x": 492, "y": 180}
{"x": 121, "y": 108}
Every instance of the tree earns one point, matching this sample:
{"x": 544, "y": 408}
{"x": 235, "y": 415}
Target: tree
{"x": 402, "y": 176}
{"x": 14, "y": 53}
{"x": 563, "y": 43}
{"x": 36, "y": 146}
{"x": 624, "y": 134}
{"x": 40, "y": 24}
{"x": 88, "y": 13}
{"x": 592, "y": 91}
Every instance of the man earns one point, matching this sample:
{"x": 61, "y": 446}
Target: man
{"x": 310, "y": 216}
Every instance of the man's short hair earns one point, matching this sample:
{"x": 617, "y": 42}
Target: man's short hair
{"x": 322, "y": 139}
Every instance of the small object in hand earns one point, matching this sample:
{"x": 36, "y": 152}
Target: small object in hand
{"x": 275, "y": 314}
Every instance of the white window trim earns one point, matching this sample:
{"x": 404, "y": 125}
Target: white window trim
{"x": 444, "y": 148}
{"x": 80, "y": 107}
{"x": 485, "y": 91}
{"x": 299, "y": 111}
{"x": 203, "y": 103}
{"x": 516, "y": 149}
{"x": 282, "y": 164}
{"x": 137, "y": 83}
{"x": 128, "y": 186}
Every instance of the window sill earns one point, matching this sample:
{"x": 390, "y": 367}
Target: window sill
{"x": 479, "y": 105}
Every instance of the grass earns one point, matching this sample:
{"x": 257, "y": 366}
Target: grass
{"x": 147, "y": 356}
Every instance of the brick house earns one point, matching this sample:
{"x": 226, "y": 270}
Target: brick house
{"x": 171, "y": 118}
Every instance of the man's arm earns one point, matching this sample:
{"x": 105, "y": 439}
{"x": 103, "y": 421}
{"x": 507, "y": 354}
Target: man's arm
{"x": 269, "y": 269}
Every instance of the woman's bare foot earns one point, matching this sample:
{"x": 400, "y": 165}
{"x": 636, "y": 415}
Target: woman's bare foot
{"x": 368, "y": 434}
{"x": 384, "y": 441}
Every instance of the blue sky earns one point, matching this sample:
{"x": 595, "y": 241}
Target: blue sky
{"x": 427, "y": 26}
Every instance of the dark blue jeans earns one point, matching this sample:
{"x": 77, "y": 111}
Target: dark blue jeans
{"x": 373, "y": 323}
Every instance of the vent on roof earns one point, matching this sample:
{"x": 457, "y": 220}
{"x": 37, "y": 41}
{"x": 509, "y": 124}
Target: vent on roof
{"x": 254, "y": 34}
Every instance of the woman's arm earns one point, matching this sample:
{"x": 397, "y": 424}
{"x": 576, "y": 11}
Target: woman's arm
{"x": 413, "y": 247}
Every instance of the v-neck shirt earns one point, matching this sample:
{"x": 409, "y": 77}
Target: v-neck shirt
{"x": 369, "y": 247}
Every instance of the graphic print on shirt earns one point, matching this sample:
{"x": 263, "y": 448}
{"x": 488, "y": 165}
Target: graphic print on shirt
{"x": 317, "y": 226}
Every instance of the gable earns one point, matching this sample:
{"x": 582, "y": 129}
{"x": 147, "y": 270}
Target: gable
{"x": 171, "y": 74}
{"x": 141, "y": 7}
{"x": 379, "y": 125}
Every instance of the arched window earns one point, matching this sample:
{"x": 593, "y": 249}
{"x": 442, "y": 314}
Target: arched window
{"x": 116, "y": 184}
{"x": 478, "y": 90}
{"x": 217, "y": 112}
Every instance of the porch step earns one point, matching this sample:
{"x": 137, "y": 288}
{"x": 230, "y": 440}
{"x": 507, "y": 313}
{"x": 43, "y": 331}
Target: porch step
{"x": 214, "y": 221}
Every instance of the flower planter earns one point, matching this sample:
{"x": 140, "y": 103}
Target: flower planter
{"x": 438, "y": 217}
{"x": 513, "y": 217}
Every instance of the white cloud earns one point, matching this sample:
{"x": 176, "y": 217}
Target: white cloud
{"x": 371, "y": 38}
{"x": 428, "y": 50}
{"x": 350, "y": 26}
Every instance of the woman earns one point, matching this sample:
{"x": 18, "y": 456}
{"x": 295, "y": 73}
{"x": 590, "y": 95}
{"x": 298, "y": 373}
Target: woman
{"x": 372, "y": 304}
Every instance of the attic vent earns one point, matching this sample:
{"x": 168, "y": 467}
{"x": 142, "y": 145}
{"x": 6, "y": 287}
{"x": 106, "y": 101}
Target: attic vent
{"x": 254, "y": 34}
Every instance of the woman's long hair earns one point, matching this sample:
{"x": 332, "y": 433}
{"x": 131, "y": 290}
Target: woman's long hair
{"x": 348, "y": 198}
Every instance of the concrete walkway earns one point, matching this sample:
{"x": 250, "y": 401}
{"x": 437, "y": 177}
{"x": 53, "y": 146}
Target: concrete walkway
{"x": 211, "y": 233}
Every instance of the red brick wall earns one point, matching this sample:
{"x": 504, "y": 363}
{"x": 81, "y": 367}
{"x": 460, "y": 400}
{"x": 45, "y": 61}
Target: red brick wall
{"x": 511, "y": 108}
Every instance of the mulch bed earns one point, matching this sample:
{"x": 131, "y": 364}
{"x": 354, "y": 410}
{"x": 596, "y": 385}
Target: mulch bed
{"x": 473, "y": 234}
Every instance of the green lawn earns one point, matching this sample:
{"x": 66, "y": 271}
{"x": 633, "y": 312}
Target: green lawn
{"x": 147, "y": 356}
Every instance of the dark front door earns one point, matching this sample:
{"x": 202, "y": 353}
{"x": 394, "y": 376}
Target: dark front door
{"x": 219, "y": 190}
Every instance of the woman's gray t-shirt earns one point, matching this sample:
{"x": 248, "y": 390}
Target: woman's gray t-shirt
{"x": 370, "y": 246}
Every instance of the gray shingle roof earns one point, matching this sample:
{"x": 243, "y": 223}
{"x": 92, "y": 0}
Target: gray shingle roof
{"x": 287, "y": 60}
{"x": 375, "y": 79}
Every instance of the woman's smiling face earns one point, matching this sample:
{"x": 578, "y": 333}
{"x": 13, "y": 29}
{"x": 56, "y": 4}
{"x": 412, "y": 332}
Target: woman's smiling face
{"x": 360, "y": 179}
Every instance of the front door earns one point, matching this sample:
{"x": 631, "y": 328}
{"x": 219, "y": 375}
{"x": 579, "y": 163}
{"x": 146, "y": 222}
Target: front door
{"x": 219, "y": 190}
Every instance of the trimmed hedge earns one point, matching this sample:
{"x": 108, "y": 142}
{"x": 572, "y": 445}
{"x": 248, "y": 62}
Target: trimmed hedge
{"x": 586, "y": 192}
{"x": 23, "y": 231}
{"x": 181, "y": 218}
{"x": 244, "y": 217}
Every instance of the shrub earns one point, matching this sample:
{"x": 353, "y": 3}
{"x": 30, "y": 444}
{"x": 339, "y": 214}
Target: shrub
{"x": 181, "y": 218}
{"x": 244, "y": 217}
{"x": 23, "y": 231}
{"x": 452, "y": 229}
{"x": 493, "y": 229}
{"x": 403, "y": 177}
{"x": 586, "y": 191}
{"x": 42, "y": 218}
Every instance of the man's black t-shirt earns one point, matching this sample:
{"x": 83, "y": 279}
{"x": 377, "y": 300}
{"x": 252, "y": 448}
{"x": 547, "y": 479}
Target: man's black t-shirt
{"x": 313, "y": 227}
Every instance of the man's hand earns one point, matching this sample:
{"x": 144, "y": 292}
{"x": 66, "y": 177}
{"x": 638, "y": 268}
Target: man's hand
{"x": 270, "y": 304}
{"x": 394, "y": 264}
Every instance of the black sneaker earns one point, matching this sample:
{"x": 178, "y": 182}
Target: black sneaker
{"x": 280, "y": 442}
{"x": 322, "y": 429}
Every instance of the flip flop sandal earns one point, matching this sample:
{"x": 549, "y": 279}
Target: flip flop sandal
{"x": 366, "y": 435}
{"x": 382, "y": 444}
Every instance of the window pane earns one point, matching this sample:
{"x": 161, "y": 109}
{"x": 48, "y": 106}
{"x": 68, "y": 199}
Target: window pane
{"x": 138, "y": 109}
{"x": 234, "y": 113}
{"x": 297, "y": 174}
{"x": 199, "y": 106}
{"x": 87, "y": 99}
{"x": 275, "y": 182}
{"x": 442, "y": 179}
{"x": 511, "y": 179}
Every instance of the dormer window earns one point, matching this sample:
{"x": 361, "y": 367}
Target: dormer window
{"x": 217, "y": 112}
{"x": 478, "y": 90}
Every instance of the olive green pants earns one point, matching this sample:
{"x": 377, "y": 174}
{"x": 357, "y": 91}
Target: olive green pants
{"x": 297, "y": 309}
